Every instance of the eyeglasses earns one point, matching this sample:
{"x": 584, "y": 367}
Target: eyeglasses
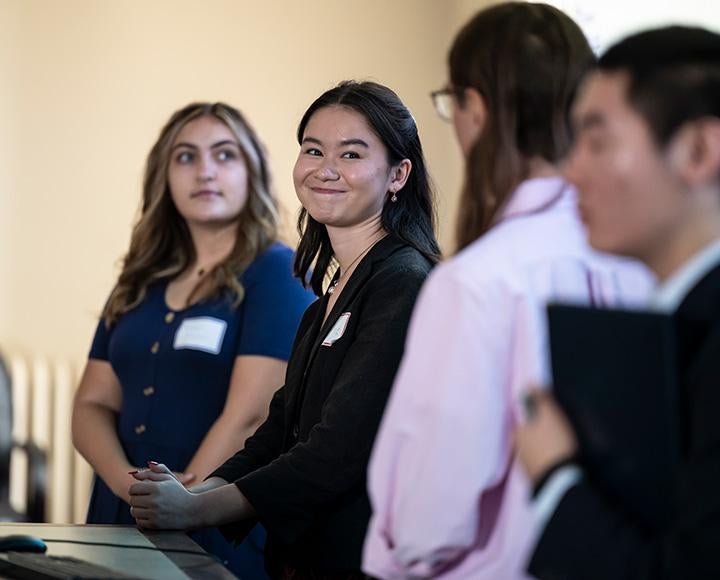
{"x": 443, "y": 102}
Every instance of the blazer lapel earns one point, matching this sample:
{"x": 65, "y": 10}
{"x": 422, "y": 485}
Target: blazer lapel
{"x": 363, "y": 271}
{"x": 697, "y": 315}
{"x": 357, "y": 280}
{"x": 307, "y": 348}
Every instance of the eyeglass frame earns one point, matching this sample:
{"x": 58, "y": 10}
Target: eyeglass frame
{"x": 436, "y": 96}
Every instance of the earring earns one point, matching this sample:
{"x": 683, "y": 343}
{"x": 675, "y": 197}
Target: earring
{"x": 393, "y": 198}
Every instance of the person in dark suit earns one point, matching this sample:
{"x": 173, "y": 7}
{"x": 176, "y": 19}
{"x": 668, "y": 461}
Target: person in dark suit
{"x": 367, "y": 205}
{"x": 647, "y": 165}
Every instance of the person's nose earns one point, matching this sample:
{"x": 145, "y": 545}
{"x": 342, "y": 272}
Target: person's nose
{"x": 327, "y": 170}
{"x": 207, "y": 169}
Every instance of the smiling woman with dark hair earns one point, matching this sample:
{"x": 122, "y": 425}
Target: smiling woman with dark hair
{"x": 367, "y": 206}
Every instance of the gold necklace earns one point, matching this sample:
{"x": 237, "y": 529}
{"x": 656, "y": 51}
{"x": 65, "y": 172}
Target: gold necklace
{"x": 334, "y": 285}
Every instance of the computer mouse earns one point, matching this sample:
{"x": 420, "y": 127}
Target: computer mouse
{"x": 21, "y": 543}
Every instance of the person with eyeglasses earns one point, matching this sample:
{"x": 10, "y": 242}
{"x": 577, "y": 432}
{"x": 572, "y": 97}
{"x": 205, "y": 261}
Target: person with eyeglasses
{"x": 449, "y": 498}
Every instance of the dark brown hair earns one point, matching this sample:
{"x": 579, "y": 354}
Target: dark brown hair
{"x": 526, "y": 61}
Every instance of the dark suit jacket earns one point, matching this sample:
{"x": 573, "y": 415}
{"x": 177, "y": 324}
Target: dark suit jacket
{"x": 304, "y": 470}
{"x": 590, "y": 537}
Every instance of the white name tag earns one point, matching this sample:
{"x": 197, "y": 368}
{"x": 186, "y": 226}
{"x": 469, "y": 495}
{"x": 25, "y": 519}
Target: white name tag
{"x": 202, "y": 333}
{"x": 337, "y": 330}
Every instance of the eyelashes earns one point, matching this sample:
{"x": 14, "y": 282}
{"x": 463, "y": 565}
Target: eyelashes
{"x": 221, "y": 155}
{"x": 315, "y": 152}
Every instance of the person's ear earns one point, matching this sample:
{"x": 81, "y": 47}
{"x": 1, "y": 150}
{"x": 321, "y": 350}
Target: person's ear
{"x": 399, "y": 175}
{"x": 474, "y": 107}
{"x": 695, "y": 152}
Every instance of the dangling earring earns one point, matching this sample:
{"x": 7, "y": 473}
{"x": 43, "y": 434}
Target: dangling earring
{"x": 393, "y": 198}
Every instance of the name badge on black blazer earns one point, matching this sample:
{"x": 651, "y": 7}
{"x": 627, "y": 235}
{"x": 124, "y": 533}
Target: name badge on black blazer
{"x": 337, "y": 330}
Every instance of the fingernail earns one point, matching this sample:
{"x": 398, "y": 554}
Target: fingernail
{"x": 133, "y": 472}
{"x": 153, "y": 463}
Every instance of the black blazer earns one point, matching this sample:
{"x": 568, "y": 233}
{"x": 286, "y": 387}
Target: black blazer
{"x": 304, "y": 470}
{"x": 590, "y": 537}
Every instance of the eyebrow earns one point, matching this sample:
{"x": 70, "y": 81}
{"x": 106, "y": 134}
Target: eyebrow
{"x": 222, "y": 143}
{"x": 343, "y": 143}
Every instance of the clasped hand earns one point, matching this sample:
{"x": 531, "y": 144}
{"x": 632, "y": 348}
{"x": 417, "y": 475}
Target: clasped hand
{"x": 160, "y": 501}
{"x": 545, "y": 438}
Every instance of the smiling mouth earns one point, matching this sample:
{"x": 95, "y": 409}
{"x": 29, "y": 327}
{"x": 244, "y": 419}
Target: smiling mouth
{"x": 326, "y": 191}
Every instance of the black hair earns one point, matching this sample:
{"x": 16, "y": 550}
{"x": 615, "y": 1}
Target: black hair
{"x": 412, "y": 217}
{"x": 674, "y": 75}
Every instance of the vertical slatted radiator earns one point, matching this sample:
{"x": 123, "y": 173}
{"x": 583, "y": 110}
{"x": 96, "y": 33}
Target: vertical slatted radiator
{"x": 42, "y": 392}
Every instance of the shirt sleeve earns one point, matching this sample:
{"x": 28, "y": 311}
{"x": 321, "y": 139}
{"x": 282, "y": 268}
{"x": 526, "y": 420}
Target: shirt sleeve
{"x": 289, "y": 492}
{"x": 100, "y": 347}
{"x": 451, "y": 391}
{"x": 273, "y": 305}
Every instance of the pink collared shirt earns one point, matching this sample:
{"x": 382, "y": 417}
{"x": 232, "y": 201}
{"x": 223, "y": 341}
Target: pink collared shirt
{"x": 449, "y": 500}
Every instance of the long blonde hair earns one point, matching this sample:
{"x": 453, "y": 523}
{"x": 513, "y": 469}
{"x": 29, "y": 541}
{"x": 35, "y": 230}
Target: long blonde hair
{"x": 161, "y": 246}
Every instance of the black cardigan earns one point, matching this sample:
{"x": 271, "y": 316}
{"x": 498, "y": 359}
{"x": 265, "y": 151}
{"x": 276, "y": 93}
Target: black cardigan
{"x": 304, "y": 470}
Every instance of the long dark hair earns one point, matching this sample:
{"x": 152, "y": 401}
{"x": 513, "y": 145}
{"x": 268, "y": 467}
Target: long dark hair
{"x": 526, "y": 60}
{"x": 412, "y": 217}
{"x": 161, "y": 246}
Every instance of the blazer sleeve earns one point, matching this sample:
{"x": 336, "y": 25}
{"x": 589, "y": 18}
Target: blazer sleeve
{"x": 288, "y": 492}
{"x": 590, "y": 536}
{"x": 259, "y": 450}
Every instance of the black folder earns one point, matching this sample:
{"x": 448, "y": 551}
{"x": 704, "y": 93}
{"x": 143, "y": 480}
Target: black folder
{"x": 614, "y": 374}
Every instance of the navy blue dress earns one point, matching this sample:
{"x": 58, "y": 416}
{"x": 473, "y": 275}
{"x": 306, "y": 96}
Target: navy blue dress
{"x": 175, "y": 366}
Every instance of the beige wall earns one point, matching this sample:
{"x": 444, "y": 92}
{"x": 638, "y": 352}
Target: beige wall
{"x": 88, "y": 83}
{"x": 9, "y": 69}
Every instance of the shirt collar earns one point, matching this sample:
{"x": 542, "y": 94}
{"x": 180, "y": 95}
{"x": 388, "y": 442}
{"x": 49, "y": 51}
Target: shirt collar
{"x": 670, "y": 294}
{"x": 537, "y": 194}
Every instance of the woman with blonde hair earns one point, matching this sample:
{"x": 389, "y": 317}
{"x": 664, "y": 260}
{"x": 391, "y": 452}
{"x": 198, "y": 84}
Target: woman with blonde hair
{"x": 196, "y": 334}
